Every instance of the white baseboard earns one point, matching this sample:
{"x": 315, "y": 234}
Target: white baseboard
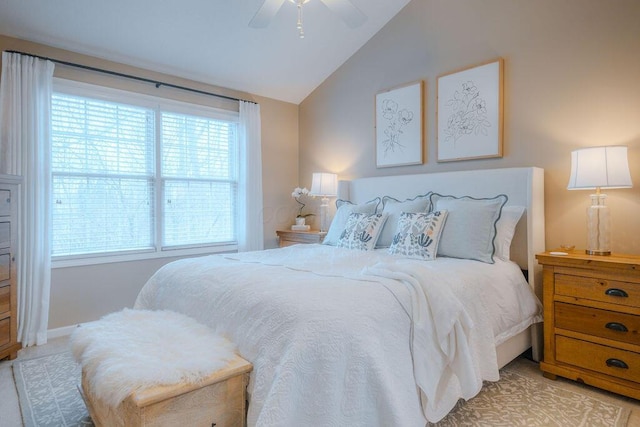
{"x": 60, "y": 332}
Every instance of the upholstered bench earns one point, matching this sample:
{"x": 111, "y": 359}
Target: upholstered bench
{"x": 159, "y": 368}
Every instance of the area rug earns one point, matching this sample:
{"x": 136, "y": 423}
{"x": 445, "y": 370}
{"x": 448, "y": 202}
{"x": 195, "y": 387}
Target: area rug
{"x": 49, "y": 396}
{"x": 523, "y": 397}
{"x": 48, "y": 392}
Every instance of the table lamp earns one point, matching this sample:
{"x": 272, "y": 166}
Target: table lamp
{"x": 324, "y": 185}
{"x": 597, "y": 168}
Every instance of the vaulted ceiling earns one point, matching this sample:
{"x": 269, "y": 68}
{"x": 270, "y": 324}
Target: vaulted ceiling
{"x": 204, "y": 40}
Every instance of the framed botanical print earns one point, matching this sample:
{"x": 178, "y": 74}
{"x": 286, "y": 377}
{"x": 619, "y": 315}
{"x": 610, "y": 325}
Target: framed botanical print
{"x": 469, "y": 116}
{"x": 399, "y": 125}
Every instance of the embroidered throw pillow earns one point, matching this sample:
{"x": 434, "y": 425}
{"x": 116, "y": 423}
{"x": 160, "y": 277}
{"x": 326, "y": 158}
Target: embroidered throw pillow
{"x": 362, "y": 231}
{"x": 393, "y": 208}
{"x": 418, "y": 234}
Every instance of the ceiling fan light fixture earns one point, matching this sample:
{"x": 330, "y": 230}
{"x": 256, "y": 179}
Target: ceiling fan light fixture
{"x": 299, "y": 25}
{"x": 299, "y": 4}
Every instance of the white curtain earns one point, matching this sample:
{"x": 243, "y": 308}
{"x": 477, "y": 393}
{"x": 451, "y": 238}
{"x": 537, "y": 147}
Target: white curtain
{"x": 250, "y": 227}
{"x": 25, "y": 103}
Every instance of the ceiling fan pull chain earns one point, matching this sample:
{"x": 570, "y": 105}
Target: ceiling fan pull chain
{"x": 299, "y": 26}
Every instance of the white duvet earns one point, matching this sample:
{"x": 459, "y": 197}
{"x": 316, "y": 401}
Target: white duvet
{"x": 340, "y": 337}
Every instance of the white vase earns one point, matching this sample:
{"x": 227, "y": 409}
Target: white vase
{"x": 300, "y": 221}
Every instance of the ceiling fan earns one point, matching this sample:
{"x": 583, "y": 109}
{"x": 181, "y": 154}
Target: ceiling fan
{"x": 345, "y": 9}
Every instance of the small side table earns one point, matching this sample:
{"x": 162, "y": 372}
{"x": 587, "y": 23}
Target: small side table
{"x": 591, "y": 319}
{"x": 290, "y": 237}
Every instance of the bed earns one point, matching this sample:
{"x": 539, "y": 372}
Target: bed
{"x": 340, "y": 336}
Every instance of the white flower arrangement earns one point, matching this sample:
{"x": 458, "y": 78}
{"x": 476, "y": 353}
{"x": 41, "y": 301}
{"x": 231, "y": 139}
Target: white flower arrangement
{"x": 297, "y": 194}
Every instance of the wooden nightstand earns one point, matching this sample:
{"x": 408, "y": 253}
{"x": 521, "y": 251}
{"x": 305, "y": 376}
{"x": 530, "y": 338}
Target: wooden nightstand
{"x": 290, "y": 237}
{"x": 592, "y": 320}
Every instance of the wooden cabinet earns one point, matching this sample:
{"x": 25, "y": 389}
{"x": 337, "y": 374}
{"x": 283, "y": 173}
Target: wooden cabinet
{"x": 592, "y": 320}
{"x": 290, "y": 237}
{"x": 9, "y": 344}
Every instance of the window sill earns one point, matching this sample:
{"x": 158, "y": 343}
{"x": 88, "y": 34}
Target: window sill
{"x": 142, "y": 256}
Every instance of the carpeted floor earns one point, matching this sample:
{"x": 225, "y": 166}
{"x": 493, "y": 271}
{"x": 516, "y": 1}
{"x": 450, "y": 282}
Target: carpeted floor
{"x": 49, "y": 396}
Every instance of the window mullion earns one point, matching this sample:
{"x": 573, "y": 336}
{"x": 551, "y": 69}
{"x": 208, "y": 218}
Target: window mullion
{"x": 159, "y": 183}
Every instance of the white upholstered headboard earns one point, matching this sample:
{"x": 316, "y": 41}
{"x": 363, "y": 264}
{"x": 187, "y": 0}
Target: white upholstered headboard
{"x": 523, "y": 186}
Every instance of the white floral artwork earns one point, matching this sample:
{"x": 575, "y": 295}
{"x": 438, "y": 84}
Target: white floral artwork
{"x": 469, "y": 116}
{"x": 399, "y": 127}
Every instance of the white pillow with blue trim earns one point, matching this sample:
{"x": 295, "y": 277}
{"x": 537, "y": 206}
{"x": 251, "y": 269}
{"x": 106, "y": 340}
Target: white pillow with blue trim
{"x": 470, "y": 229}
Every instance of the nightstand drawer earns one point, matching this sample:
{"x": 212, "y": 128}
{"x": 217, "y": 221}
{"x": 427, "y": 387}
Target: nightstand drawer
{"x": 601, "y": 323}
{"x": 598, "y": 289}
{"x": 5, "y": 300}
{"x": 5, "y": 331}
{"x": 607, "y": 360}
{"x": 291, "y": 237}
{"x": 5, "y": 234}
{"x": 5, "y": 267}
{"x": 5, "y": 202}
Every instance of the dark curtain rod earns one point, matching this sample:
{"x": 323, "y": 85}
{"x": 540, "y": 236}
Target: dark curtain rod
{"x": 128, "y": 76}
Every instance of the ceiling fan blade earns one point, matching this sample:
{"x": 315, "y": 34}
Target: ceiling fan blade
{"x": 346, "y": 10}
{"x": 266, "y": 12}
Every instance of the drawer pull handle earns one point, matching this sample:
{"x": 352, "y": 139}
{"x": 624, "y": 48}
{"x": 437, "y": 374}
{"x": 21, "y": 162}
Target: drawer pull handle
{"x": 615, "y": 326}
{"x": 617, "y": 363}
{"x": 613, "y": 292}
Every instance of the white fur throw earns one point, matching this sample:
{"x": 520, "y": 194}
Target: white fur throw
{"x": 132, "y": 350}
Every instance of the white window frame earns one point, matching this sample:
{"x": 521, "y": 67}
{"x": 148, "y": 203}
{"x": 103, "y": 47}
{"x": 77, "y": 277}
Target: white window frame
{"x": 158, "y": 104}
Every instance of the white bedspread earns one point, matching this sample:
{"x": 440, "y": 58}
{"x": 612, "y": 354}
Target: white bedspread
{"x": 340, "y": 337}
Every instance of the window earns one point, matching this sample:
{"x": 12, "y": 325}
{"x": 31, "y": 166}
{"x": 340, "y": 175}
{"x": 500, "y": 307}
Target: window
{"x": 199, "y": 169}
{"x": 135, "y": 174}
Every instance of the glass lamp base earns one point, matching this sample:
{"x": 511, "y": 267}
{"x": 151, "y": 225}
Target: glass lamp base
{"x": 324, "y": 206}
{"x": 594, "y": 252}
{"x": 598, "y": 227}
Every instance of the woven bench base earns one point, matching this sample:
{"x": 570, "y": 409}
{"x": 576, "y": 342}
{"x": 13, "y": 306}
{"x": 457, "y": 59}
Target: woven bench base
{"x": 219, "y": 400}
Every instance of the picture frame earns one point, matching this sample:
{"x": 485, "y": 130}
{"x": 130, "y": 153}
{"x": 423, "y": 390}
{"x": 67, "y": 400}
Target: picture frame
{"x": 469, "y": 112}
{"x": 399, "y": 125}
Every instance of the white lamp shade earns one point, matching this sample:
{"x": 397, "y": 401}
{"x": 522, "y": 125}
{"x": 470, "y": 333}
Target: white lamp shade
{"x": 324, "y": 184}
{"x": 603, "y": 167}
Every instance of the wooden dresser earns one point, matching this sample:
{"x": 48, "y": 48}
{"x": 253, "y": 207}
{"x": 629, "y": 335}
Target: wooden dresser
{"x": 290, "y": 237}
{"x": 592, "y": 320}
{"x": 9, "y": 345}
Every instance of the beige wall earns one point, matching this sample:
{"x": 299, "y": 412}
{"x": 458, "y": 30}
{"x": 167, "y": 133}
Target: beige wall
{"x": 80, "y": 294}
{"x": 572, "y": 79}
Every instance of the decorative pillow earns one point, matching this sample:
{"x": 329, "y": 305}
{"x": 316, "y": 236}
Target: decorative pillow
{"x": 362, "y": 231}
{"x": 506, "y": 227}
{"x": 345, "y": 208}
{"x": 418, "y": 234}
{"x": 471, "y": 226}
{"x": 393, "y": 208}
